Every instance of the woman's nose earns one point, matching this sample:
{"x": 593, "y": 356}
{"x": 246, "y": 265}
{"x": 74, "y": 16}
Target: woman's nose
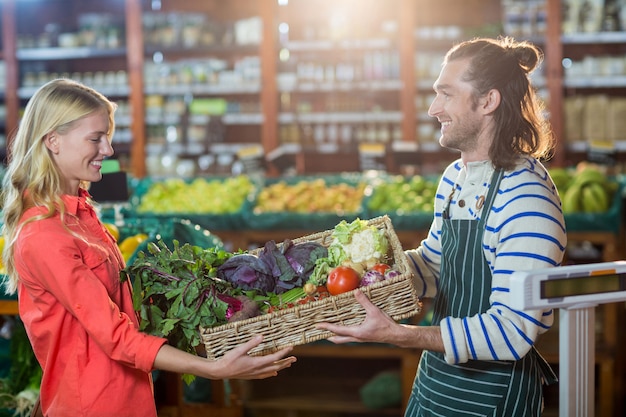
{"x": 107, "y": 148}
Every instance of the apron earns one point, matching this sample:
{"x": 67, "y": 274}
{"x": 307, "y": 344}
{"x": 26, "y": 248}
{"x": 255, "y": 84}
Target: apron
{"x": 477, "y": 387}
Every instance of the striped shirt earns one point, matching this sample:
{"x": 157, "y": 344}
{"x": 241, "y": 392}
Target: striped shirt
{"x": 525, "y": 230}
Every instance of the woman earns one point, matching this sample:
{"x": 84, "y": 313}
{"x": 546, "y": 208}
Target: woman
{"x": 65, "y": 268}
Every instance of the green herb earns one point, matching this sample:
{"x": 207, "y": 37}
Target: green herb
{"x": 176, "y": 291}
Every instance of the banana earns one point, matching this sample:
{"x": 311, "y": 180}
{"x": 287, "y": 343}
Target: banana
{"x": 589, "y": 191}
{"x": 590, "y": 175}
{"x": 572, "y": 199}
{"x": 561, "y": 178}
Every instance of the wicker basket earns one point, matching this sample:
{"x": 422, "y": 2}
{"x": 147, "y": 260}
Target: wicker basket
{"x": 296, "y": 325}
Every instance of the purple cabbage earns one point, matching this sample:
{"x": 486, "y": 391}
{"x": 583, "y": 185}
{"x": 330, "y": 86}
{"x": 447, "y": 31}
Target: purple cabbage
{"x": 276, "y": 269}
{"x": 302, "y": 256}
{"x": 247, "y": 272}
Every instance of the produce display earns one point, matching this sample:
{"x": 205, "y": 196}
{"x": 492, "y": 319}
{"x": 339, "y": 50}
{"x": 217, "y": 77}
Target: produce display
{"x": 200, "y": 196}
{"x": 585, "y": 189}
{"x": 310, "y": 196}
{"x": 128, "y": 245}
{"x": 181, "y": 290}
{"x": 403, "y": 195}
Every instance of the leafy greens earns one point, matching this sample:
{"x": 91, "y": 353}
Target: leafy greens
{"x": 176, "y": 291}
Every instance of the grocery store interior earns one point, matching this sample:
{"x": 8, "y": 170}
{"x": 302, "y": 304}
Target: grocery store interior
{"x": 245, "y": 121}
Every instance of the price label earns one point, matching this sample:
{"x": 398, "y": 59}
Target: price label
{"x": 249, "y": 152}
{"x": 602, "y": 152}
{"x": 373, "y": 149}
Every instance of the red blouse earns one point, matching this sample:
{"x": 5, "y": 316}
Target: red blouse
{"x": 80, "y": 318}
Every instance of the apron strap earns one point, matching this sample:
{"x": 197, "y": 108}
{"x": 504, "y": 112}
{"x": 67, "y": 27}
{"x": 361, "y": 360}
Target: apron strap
{"x": 491, "y": 196}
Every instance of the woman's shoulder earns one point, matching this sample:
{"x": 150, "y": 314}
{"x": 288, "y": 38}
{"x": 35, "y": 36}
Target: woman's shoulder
{"x": 35, "y": 223}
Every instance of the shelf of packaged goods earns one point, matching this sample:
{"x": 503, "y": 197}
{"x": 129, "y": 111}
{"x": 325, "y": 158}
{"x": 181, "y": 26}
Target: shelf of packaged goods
{"x": 45, "y": 54}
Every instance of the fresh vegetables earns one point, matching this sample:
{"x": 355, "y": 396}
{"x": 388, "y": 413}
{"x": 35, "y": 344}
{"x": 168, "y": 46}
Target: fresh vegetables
{"x": 381, "y": 267}
{"x": 276, "y": 269}
{"x": 360, "y": 242}
{"x": 357, "y": 245}
{"x": 371, "y": 277}
{"x": 176, "y": 291}
{"x": 342, "y": 279}
{"x": 240, "y": 307}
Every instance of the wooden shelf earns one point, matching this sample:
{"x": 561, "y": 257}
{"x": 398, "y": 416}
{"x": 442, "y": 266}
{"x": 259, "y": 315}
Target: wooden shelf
{"x": 319, "y": 404}
{"x": 327, "y": 379}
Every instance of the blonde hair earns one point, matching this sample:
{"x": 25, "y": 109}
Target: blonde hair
{"x": 32, "y": 177}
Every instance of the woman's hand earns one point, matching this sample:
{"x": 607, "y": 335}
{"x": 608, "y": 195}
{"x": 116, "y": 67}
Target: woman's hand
{"x": 237, "y": 364}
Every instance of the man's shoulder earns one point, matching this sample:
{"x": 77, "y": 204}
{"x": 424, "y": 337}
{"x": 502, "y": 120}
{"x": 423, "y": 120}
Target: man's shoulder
{"x": 453, "y": 168}
{"x": 528, "y": 168}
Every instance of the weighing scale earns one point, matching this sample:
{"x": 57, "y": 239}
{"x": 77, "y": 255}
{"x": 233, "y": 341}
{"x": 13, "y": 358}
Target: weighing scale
{"x": 576, "y": 290}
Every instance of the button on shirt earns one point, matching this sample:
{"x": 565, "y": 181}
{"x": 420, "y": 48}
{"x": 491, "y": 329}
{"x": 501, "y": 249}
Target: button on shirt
{"x": 80, "y": 318}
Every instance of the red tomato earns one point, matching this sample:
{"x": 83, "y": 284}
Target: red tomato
{"x": 382, "y": 268}
{"x": 342, "y": 279}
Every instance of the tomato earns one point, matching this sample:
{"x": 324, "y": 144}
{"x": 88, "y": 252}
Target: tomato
{"x": 342, "y": 279}
{"x": 382, "y": 268}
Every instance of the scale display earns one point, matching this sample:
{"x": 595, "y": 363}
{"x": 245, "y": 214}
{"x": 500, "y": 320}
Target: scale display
{"x": 569, "y": 285}
{"x": 576, "y": 290}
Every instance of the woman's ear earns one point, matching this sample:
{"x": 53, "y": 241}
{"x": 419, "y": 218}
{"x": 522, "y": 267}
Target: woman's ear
{"x": 52, "y": 142}
{"x": 491, "y": 101}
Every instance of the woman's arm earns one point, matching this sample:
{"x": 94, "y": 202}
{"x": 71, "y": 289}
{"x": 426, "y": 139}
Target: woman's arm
{"x": 235, "y": 364}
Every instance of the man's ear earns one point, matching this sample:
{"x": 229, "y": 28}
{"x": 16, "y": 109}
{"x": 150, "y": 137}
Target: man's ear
{"x": 52, "y": 142}
{"x": 491, "y": 101}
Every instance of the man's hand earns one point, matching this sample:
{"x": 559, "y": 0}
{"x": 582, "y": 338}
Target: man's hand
{"x": 377, "y": 326}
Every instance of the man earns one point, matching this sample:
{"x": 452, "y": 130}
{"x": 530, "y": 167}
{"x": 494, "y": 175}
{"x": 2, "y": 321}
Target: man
{"x": 496, "y": 211}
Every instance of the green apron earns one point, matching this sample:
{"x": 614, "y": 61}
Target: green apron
{"x": 477, "y": 387}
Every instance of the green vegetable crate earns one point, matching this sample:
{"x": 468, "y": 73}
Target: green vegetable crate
{"x": 296, "y": 326}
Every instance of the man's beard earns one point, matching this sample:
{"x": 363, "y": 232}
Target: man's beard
{"x": 462, "y": 136}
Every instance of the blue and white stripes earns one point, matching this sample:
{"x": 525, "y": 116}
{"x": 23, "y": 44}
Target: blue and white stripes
{"x": 525, "y": 230}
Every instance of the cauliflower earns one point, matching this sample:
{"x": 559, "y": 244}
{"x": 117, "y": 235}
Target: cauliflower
{"x": 354, "y": 244}
{"x": 366, "y": 247}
